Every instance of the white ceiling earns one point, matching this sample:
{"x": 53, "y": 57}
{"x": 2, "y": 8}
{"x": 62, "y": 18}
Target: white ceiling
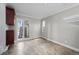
{"x": 39, "y": 10}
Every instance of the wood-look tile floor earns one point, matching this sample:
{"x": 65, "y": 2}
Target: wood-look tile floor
{"x": 38, "y": 47}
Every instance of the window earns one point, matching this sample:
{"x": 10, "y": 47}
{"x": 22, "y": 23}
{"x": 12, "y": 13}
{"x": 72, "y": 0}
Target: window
{"x": 43, "y": 23}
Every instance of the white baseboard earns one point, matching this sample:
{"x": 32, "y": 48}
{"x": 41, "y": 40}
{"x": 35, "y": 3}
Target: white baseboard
{"x": 26, "y": 39}
{"x": 4, "y": 50}
{"x": 62, "y": 44}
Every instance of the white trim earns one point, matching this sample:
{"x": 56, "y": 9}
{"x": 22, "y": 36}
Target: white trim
{"x": 4, "y": 50}
{"x": 62, "y": 44}
{"x": 25, "y": 39}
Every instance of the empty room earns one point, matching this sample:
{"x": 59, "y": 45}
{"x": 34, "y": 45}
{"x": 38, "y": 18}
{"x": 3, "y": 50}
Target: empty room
{"x": 39, "y": 29}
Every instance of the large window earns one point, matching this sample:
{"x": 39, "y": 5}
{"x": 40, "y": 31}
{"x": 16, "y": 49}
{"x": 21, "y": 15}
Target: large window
{"x": 20, "y": 28}
{"x": 43, "y": 23}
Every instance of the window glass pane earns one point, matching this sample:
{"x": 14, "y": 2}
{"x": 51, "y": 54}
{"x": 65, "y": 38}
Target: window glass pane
{"x": 43, "y": 23}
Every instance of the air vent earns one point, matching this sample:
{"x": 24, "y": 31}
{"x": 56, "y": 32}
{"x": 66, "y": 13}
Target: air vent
{"x": 74, "y": 18}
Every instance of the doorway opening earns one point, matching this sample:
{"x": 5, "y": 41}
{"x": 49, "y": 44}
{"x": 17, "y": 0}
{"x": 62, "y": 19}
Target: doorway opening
{"x": 22, "y": 28}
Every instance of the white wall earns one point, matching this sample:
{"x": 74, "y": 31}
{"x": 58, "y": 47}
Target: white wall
{"x": 2, "y": 28}
{"x": 34, "y": 28}
{"x": 60, "y": 31}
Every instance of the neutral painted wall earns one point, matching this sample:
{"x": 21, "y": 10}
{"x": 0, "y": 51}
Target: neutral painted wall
{"x": 61, "y": 31}
{"x": 2, "y": 28}
{"x": 34, "y": 28}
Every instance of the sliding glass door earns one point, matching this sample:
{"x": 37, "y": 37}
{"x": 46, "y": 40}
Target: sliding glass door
{"x": 22, "y": 28}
